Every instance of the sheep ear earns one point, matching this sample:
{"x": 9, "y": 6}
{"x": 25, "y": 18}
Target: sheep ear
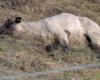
{"x": 8, "y": 23}
{"x": 18, "y": 19}
{"x": 9, "y": 20}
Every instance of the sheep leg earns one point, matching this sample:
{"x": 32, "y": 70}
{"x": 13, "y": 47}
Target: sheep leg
{"x": 64, "y": 44}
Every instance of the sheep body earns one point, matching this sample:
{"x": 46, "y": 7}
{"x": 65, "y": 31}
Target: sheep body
{"x": 67, "y": 21}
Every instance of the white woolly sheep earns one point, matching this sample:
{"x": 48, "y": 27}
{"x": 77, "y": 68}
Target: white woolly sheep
{"x": 56, "y": 28}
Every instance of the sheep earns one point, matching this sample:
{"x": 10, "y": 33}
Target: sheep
{"x": 56, "y": 29}
{"x": 44, "y": 29}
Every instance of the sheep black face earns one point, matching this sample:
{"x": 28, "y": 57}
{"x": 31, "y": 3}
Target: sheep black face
{"x": 9, "y": 26}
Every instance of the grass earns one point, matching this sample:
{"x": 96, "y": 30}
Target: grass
{"x": 28, "y": 55}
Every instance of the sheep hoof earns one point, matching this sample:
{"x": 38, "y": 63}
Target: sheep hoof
{"x": 49, "y": 48}
{"x": 66, "y": 50}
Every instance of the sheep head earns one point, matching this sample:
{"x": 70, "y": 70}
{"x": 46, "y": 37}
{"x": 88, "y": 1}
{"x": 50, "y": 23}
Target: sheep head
{"x": 10, "y": 26}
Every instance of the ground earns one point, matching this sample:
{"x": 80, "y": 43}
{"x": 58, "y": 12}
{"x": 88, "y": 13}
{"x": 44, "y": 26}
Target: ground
{"x": 22, "y": 55}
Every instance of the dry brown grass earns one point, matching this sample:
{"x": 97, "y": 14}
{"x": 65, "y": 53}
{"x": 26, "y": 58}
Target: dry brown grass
{"x": 22, "y": 55}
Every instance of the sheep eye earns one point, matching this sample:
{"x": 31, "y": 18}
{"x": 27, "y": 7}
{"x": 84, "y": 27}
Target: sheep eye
{"x": 17, "y": 19}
